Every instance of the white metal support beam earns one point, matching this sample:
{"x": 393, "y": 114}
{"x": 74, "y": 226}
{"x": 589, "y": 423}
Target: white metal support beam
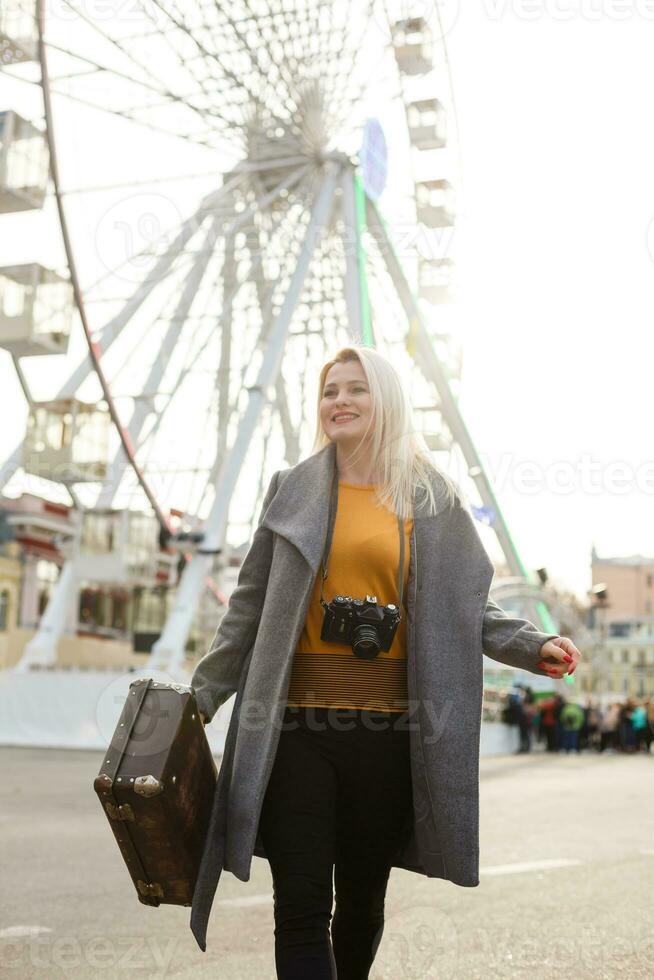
{"x": 352, "y": 253}
{"x": 433, "y": 370}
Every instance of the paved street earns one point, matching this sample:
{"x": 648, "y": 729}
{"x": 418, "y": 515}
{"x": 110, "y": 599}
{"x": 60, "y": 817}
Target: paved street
{"x": 567, "y": 850}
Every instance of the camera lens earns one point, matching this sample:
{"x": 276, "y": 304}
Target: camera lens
{"x": 365, "y": 642}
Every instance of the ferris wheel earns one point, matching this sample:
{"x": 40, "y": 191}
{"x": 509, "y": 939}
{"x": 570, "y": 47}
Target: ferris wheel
{"x": 224, "y": 193}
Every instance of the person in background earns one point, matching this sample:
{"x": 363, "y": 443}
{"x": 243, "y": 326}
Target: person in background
{"x": 571, "y": 720}
{"x": 526, "y": 718}
{"x": 513, "y": 712}
{"x": 588, "y": 734}
{"x": 649, "y": 737}
{"x": 639, "y": 725}
{"x": 609, "y": 720}
{"x": 548, "y": 722}
{"x": 627, "y": 736}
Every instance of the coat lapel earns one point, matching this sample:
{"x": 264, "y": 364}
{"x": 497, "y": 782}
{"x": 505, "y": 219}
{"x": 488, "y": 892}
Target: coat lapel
{"x": 300, "y": 508}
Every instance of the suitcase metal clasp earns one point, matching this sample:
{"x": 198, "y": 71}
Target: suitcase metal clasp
{"x": 147, "y": 786}
{"x": 150, "y": 888}
{"x": 121, "y": 812}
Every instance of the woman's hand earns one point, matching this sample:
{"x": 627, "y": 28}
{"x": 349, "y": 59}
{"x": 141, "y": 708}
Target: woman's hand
{"x": 563, "y": 656}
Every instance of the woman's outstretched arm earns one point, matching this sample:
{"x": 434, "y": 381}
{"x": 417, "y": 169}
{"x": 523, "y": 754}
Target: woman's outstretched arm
{"x": 512, "y": 641}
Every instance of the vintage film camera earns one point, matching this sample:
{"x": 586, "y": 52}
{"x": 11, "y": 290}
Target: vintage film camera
{"x": 367, "y": 626}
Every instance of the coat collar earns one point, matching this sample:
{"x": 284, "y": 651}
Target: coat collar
{"x": 299, "y": 511}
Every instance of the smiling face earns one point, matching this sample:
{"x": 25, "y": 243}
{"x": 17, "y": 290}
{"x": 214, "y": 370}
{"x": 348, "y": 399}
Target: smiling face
{"x": 346, "y": 392}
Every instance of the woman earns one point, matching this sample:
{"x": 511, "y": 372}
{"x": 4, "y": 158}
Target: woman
{"x": 398, "y": 787}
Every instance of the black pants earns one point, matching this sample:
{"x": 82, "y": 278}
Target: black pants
{"x": 336, "y": 808}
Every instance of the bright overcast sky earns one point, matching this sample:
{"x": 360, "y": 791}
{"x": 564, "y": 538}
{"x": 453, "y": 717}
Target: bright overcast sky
{"x": 558, "y": 155}
{"x": 555, "y": 112}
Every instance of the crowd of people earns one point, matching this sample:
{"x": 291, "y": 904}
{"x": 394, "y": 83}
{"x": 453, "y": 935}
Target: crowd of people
{"x": 563, "y": 725}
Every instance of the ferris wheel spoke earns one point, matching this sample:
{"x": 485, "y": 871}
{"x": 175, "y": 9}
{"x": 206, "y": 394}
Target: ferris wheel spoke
{"x": 156, "y": 84}
{"x": 221, "y": 328}
{"x": 286, "y": 184}
{"x": 300, "y": 43}
{"x": 131, "y": 115}
{"x": 342, "y": 47}
{"x": 230, "y": 124}
{"x": 254, "y": 274}
{"x": 264, "y": 292}
{"x": 160, "y": 271}
{"x": 172, "y": 334}
{"x": 429, "y": 364}
{"x": 300, "y": 37}
{"x": 252, "y": 52}
{"x": 113, "y": 329}
{"x": 205, "y": 142}
{"x": 212, "y": 60}
{"x": 186, "y": 230}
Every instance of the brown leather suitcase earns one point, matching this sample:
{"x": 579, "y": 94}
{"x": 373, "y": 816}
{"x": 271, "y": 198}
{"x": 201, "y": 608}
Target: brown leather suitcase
{"x": 156, "y": 786}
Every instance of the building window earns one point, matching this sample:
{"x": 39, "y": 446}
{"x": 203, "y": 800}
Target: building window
{"x": 619, "y": 629}
{"x": 4, "y": 610}
{"x": 89, "y": 613}
{"x": 649, "y": 581}
{"x": 625, "y": 656}
{"x": 97, "y": 537}
{"x": 47, "y": 574}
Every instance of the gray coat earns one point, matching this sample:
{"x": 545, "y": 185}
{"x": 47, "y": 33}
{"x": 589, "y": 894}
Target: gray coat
{"x": 450, "y": 621}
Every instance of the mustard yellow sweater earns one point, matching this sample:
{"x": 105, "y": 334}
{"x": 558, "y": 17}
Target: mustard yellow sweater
{"x": 363, "y": 560}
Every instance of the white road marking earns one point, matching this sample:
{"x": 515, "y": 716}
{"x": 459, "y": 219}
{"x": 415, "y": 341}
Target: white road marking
{"x": 11, "y": 932}
{"x": 250, "y": 901}
{"x": 521, "y": 866}
{"x": 246, "y": 901}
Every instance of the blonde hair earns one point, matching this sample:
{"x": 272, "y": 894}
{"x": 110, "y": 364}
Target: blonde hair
{"x": 403, "y": 458}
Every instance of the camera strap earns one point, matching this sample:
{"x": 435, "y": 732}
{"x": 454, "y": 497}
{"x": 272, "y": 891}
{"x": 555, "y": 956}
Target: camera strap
{"x": 333, "y": 507}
